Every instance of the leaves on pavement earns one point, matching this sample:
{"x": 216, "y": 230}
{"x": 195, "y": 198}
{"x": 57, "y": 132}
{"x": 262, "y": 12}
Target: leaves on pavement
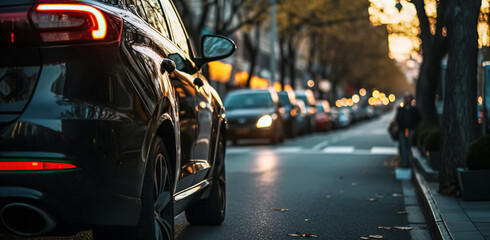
{"x": 281, "y": 209}
{"x": 304, "y": 235}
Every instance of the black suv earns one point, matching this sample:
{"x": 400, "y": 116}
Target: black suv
{"x": 106, "y": 121}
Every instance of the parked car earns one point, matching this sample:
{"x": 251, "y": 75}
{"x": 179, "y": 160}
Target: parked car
{"x": 334, "y": 117}
{"x": 106, "y": 120}
{"x": 309, "y": 99}
{"x": 345, "y": 117}
{"x": 301, "y": 124}
{"x": 287, "y": 100}
{"x": 254, "y": 114}
{"x": 322, "y": 117}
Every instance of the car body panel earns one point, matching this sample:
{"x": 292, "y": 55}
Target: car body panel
{"x": 99, "y": 106}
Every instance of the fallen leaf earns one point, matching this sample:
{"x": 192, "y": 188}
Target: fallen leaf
{"x": 305, "y": 235}
{"x": 307, "y": 220}
{"x": 281, "y": 209}
{"x": 381, "y": 227}
{"x": 364, "y": 237}
{"x": 372, "y": 199}
{"x": 397, "y": 195}
{"x": 309, "y": 235}
{"x": 403, "y": 228}
{"x": 402, "y": 212}
{"x": 376, "y": 236}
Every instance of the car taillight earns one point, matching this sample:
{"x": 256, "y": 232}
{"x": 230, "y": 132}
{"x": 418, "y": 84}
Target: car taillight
{"x": 62, "y": 22}
{"x": 33, "y": 165}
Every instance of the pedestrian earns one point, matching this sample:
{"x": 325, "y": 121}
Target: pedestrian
{"x": 407, "y": 118}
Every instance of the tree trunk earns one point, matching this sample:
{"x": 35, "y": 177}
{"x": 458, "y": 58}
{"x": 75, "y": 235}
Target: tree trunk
{"x": 283, "y": 62}
{"x": 433, "y": 49}
{"x": 292, "y": 63}
{"x": 459, "y": 119}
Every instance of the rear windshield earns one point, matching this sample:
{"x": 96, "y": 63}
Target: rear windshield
{"x": 248, "y": 100}
{"x": 15, "y": 2}
{"x": 320, "y": 108}
{"x": 284, "y": 99}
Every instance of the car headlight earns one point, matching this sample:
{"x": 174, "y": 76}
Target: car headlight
{"x": 264, "y": 121}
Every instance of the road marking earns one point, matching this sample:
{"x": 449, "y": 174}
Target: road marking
{"x": 384, "y": 150}
{"x": 339, "y": 149}
{"x": 379, "y": 132}
{"x": 238, "y": 150}
{"x": 288, "y": 149}
{"x": 320, "y": 145}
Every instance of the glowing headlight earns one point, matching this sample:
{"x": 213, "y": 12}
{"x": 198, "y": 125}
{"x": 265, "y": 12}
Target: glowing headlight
{"x": 264, "y": 121}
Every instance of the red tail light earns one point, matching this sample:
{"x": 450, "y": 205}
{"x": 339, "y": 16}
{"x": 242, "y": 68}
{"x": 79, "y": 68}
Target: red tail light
{"x": 34, "y": 165}
{"x": 74, "y": 22}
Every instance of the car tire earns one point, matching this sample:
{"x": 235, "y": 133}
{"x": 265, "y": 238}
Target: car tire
{"x": 156, "y": 196}
{"x": 212, "y": 210}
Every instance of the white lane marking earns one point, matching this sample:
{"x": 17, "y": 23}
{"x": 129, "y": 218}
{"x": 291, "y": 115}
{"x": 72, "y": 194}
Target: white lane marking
{"x": 384, "y": 150}
{"x": 238, "y": 150}
{"x": 288, "y": 149}
{"x": 339, "y": 149}
{"x": 320, "y": 145}
{"x": 378, "y": 132}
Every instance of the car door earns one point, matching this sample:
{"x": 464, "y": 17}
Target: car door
{"x": 154, "y": 45}
{"x": 200, "y": 161}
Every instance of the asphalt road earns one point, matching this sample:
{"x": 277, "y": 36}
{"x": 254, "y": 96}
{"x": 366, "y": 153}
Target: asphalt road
{"x": 336, "y": 185}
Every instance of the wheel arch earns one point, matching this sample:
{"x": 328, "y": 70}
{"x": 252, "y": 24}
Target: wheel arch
{"x": 167, "y": 133}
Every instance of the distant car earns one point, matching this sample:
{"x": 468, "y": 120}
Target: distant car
{"x": 254, "y": 114}
{"x": 334, "y": 117}
{"x": 322, "y": 117}
{"x": 345, "y": 117}
{"x": 301, "y": 124}
{"x": 287, "y": 100}
{"x": 309, "y": 99}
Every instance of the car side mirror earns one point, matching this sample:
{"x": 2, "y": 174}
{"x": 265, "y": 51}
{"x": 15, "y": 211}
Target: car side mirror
{"x": 215, "y": 47}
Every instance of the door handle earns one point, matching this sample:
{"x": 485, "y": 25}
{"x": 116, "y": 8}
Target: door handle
{"x": 198, "y": 82}
{"x": 167, "y": 65}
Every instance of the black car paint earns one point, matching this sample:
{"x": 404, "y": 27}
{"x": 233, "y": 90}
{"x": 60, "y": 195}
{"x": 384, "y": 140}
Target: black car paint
{"x": 99, "y": 105}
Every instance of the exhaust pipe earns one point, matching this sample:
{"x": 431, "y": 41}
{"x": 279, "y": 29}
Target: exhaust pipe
{"x": 26, "y": 220}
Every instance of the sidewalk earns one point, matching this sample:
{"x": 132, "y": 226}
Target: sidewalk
{"x": 449, "y": 217}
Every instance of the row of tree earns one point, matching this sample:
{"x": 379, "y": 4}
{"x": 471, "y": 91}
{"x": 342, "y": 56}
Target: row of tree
{"x": 451, "y": 31}
{"x": 334, "y": 38}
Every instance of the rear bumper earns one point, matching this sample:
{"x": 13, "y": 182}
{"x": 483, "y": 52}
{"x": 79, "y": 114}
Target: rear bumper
{"x": 73, "y": 196}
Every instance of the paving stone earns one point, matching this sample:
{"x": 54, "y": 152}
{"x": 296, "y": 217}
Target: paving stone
{"x": 473, "y": 235}
{"x": 479, "y": 216}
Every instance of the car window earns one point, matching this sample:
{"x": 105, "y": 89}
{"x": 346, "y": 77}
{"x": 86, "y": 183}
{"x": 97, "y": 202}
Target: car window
{"x": 179, "y": 36}
{"x": 284, "y": 99}
{"x": 320, "y": 108}
{"x": 154, "y": 16}
{"x": 249, "y": 100}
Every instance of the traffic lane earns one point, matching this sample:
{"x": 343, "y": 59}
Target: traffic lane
{"x": 342, "y": 196}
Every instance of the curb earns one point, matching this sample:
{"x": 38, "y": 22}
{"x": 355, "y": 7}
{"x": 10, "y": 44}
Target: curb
{"x": 437, "y": 227}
